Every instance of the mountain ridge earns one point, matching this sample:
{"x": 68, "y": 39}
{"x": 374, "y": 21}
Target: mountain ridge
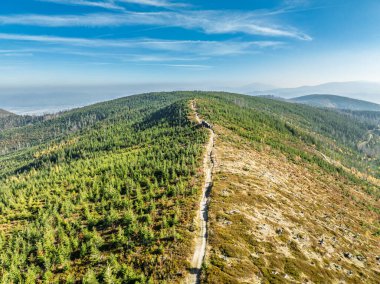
{"x": 354, "y": 89}
{"x": 111, "y": 192}
{"x": 4, "y": 113}
{"x": 336, "y": 102}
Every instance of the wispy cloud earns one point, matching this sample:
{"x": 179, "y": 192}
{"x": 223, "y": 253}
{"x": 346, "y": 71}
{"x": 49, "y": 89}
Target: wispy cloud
{"x": 298, "y": 6}
{"x": 116, "y": 4}
{"x": 160, "y": 58}
{"x": 204, "y": 48}
{"x": 98, "y": 4}
{"x": 15, "y": 53}
{"x": 209, "y": 22}
{"x": 119, "y": 56}
{"x": 155, "y": 3}
{"x": 184, "y": 66}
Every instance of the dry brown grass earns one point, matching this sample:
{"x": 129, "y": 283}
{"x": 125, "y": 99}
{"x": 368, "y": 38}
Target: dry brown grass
{"x": 276, "y": 221}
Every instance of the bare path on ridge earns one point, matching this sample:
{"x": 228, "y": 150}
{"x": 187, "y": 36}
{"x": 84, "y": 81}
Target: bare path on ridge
{"x": 202, "y": 214}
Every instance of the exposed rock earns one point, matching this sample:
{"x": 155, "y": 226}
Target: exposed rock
{"x": 279, "y": 231}
{"x": 337, "y": 266}
{"x": 299, "y": 237}
{"x": 360, "y": 257}
{"x": 347, "y": 255}
{"x": 274, "y": 272}
{"x": 224, "y": 221}
{"x": 234, "y": 211}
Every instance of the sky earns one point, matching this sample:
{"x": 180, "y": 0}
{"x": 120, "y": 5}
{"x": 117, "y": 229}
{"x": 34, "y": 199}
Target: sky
{"x": 283, "y": 43}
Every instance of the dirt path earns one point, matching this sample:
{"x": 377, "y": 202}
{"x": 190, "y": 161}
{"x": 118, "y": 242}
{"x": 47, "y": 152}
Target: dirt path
{"x": 194, "y": 108}
{"x": 202, "y": 214}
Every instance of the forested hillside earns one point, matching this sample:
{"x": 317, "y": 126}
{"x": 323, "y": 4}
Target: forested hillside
{"x": 337, "y": 134}
{"x": 108, "y": 193}
{"x": 111, "y": 201}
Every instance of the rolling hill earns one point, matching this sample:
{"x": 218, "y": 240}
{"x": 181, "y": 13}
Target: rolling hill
{"x": 337, "y": 102}
{"x": 368, "y": 91}
{"x": 4, "y": 113}
{"x": 110, "y": 193}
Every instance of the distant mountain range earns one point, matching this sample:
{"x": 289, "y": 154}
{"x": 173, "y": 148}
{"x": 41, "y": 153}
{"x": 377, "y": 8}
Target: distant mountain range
{"x": 359, "y": 90}
{"x": 337, "y": 102}
{"x": 40, "y": 100}
{"x": 253, "y": 87}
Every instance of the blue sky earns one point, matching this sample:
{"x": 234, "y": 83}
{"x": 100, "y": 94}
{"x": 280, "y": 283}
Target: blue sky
{"x": 277, "y": 42}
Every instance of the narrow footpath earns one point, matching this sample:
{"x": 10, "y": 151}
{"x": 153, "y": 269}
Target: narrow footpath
{"x": 202, "y": 214}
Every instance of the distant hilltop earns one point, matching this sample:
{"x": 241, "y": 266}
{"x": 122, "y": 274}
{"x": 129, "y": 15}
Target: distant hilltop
{"x": 4, "y": 113}
{"x": 368, "y": 91}
{"x": 336, "y": 102}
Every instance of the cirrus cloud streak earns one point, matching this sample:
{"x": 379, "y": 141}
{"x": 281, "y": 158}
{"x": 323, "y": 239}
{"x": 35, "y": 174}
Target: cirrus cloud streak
{"x": 209, "y": 22}
{"x": 210, "y": 48}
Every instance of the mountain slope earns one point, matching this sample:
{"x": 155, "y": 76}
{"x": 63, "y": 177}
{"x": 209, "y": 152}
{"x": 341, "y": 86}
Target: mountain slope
{"x": 280, "y": 212}
{"x": 337, "y": 102}
{"x": 111, "y": 201}
{"x": 277, "y": 221}
{"x": 109, "y": 193}
{"x": 360, "y": 90}
{"x": 4, "y": 113}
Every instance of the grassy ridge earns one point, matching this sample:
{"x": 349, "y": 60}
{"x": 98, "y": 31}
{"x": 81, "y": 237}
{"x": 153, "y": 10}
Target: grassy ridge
{"x": 280, "y": 212}
{"x": 336, "y": 134}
